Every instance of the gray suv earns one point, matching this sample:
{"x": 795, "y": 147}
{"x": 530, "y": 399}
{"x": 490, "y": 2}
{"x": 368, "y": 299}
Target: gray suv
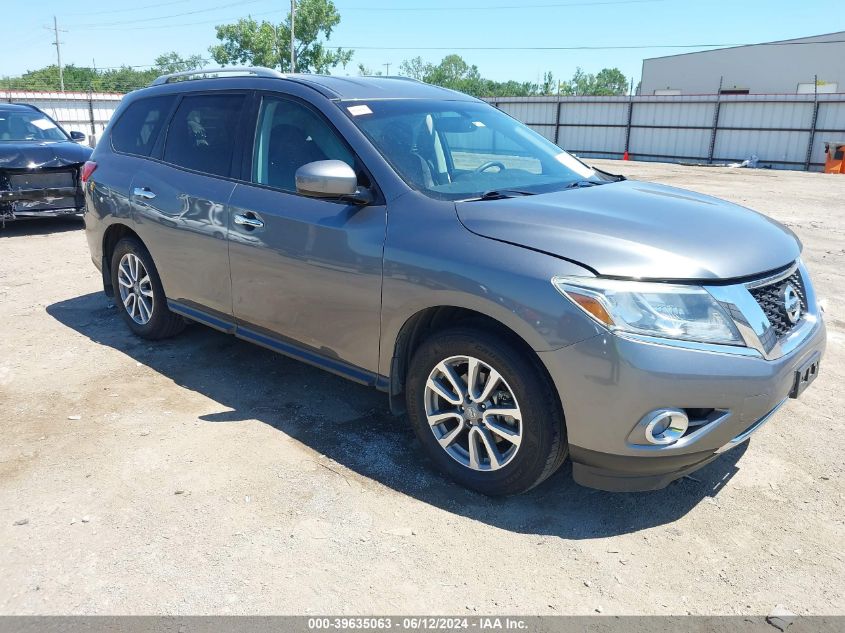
{"x": 518, "y": 305}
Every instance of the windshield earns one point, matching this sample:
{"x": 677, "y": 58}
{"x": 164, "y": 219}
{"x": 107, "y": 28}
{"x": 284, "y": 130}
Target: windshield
{"x": 28, "y": 126}
{"x": 458, "y": 150}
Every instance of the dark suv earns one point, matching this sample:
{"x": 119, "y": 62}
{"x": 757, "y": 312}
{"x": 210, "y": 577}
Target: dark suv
{"x": 520, "y": 305}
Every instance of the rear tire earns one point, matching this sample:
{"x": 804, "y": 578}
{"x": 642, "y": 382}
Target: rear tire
{"x": 139, "y": 294}
{"x": 453, "y": 410}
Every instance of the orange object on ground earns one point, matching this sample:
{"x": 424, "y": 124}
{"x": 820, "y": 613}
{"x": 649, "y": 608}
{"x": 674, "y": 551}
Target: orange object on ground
{"x": 625, "y": 155}
{"x": 833, "y": 158}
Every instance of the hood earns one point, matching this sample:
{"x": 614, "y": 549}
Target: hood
{"x": 638, "y": 230}
{"x": 42, "y": 154}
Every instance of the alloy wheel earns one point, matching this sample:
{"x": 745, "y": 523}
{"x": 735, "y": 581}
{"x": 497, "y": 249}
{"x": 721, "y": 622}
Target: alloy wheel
{"x": 473, "y": 413}
{"x": 136, "y": 289}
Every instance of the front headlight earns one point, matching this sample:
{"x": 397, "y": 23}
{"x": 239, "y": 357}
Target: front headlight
{"x": 653, "y": 309}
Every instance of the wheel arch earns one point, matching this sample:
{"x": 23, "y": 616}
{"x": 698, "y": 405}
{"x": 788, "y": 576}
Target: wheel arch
{"x": 428, "y": 321}
{"x": 112, "y": 235}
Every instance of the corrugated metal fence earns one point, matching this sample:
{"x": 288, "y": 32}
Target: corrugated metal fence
{"x": 784, "y": 131}
{"x": 86, "y": 112}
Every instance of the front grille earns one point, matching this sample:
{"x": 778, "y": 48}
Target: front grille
{"x": 770, "y": 298}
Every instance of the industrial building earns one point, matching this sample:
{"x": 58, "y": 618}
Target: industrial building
{"x": 782, "y": 67}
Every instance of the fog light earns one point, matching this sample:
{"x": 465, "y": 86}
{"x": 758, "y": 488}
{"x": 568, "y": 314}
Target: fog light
{"x": 665, "y": 426}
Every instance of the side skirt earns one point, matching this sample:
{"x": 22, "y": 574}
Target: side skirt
{"x": 286, "y": 347}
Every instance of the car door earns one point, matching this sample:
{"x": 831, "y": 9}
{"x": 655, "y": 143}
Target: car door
{"x": 306, "y": 272}
{"x": 180, "y": 204}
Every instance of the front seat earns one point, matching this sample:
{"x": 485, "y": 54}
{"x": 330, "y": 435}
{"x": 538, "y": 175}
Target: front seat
{"x": 398, "y": 140}
{"x": 290, "y": 148}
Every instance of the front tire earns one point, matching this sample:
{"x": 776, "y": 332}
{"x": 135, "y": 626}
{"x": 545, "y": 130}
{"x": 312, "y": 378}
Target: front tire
{"x": 139, "y": 294}
{"x": 485, "y": 412}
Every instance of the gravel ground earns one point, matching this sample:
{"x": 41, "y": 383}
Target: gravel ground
{"x": 203, "y": 475}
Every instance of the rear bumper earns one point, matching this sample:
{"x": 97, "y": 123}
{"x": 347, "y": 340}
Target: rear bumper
{"x": 607, "y": 384}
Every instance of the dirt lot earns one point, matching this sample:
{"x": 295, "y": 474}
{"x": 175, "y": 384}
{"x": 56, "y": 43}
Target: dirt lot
{"x": 205, "y": 475}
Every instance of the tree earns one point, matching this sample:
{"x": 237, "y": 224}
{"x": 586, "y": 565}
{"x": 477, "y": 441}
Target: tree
{"x": 452, "y": 72}
{"x": 550, "y": 85}
{"x": 611, "y": 81}
{"x": 455, "y": 73}
{"x": 415, "y": 68}
{"x": 608, "y": 81}
{"x": 366, "y": 71}
{"x": 47, "y": 78}
{"x": 266, "y": 44}
{"x": 173, "y": 62}
{"x": 81, "y": 78}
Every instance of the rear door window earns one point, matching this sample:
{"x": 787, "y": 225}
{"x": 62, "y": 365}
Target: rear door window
{"x": 202, "y": 133}
{"x": 139, "y": 126}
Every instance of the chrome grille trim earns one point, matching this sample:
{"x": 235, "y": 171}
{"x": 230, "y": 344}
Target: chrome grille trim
{"x": 755, "y": 326}
{"x": 773, "y": 279}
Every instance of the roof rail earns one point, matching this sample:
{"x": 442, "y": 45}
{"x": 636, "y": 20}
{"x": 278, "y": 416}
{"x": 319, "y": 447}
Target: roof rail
{"x": 404, "y": 78}
{"x": 401, "y": 77}
{"x": 209, "y": 73}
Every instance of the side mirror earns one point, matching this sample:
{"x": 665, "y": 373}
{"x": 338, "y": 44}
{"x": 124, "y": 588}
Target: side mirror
{"x": 330, "y": 179}
{"x": 79, "y": 137}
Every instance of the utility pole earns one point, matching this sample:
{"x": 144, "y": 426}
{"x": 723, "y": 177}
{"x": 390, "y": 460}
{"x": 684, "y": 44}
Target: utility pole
{"x": 292, "y": 36}
{"x": 387, "y": 69}
{"x": 58, "y": 46}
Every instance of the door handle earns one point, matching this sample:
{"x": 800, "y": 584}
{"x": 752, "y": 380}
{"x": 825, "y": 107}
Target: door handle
{"x": 248, "y": 221}
{"x": 143, "y": 192}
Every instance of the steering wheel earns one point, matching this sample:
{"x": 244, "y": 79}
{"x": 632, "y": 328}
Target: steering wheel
{"x": 488, "y": 165}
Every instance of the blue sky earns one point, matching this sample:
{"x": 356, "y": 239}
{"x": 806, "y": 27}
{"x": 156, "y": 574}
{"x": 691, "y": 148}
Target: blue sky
{"x": 116, "y": 32}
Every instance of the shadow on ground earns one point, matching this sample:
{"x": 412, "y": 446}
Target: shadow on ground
{"x": 252, "y": 383}
{"x": 41, "y": 226}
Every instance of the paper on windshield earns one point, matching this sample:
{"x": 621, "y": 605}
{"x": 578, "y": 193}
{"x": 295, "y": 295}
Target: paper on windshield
{"x": 43, "y": 124}
{"x": 358, "y": 110}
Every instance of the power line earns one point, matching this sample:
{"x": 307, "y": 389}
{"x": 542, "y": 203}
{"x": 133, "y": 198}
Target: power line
{"x": 142, "y": 7}
{"x": 172, "y": 15}
{"x": 184, "y": 24}
{"x": 557, "y": 5}
{"x": 575, "y": 48}
{"x": 379, "y": 9}
{"x": 580, "y": 3}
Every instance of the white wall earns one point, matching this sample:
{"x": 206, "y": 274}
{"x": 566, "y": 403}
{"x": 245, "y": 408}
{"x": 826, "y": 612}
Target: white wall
{"x": 774, "y": 68}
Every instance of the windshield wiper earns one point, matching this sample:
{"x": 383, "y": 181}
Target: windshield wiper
{"x": 498, "y": 194}
{"x": 578, "y": 184}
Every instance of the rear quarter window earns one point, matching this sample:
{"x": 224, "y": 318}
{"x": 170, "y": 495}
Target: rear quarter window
{"x": 139, "y": 126}
{"x": 202, "y": 133}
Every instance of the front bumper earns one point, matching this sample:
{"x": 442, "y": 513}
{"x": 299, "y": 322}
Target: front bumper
{"x": 608, "y": 383}
{"x": 42, "y": 193}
